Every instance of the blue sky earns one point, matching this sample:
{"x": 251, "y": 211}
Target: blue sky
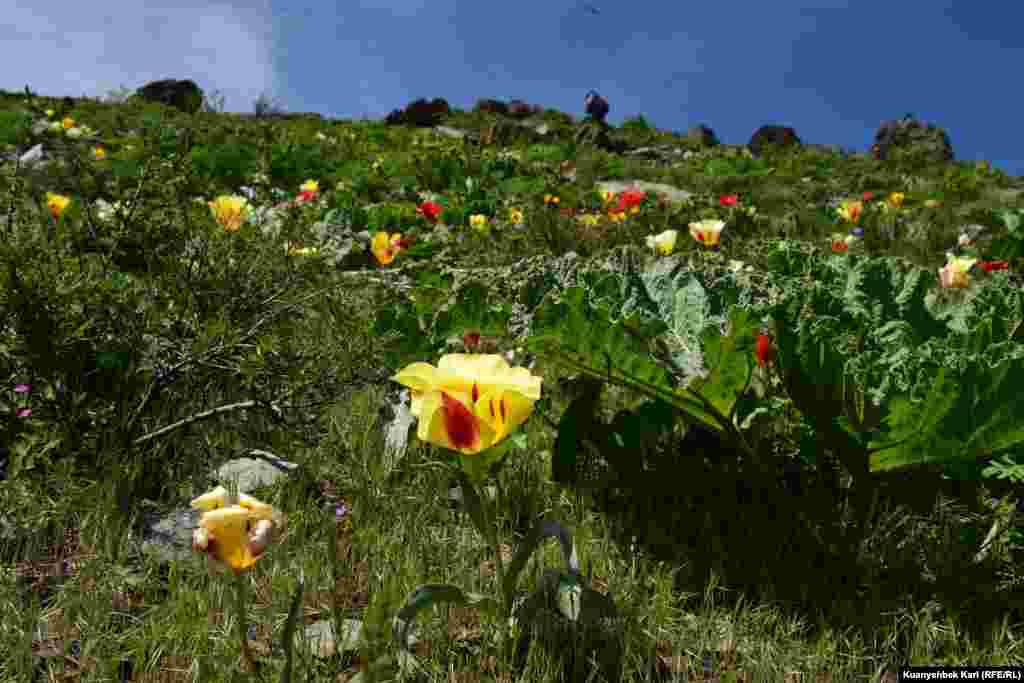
{"x": 831, "y": 70}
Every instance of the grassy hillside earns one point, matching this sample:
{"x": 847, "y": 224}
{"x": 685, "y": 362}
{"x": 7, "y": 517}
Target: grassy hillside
{"x": 791, "y": 451}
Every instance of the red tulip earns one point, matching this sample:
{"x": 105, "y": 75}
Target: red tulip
{"x": 763, "y": 350}
{"x": 728, "y": 199}
{"x": 868, "y": 196}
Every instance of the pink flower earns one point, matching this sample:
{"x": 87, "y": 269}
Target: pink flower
{"x": 24, "y": 412}
{"x": 22, "y": 388}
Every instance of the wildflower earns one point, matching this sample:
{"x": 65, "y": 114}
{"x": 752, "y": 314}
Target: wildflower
{"x": 234, "y": 536}
{"x": 868, "y": 196}
{"x": 99, "y": 153}
{"x": 22, "y": 388}
{"x": 230, "y": 211}
{"x": 551, "y": 199}
{"x": 728, "y": 199}
{"x": 708, "y": 232}
{"x": 67, "y": 123}
{"x": 515, "y": 216}
{"x": 608, "y": 196}
{"x": 386, "y": 247}
{"x": 429, "y": 210}
{"x": 896, "y": 199}
{"x": 841, "y": 244}
{"x": 24, "y": 412}
{"x": 954, "y": 273}
{"x": 665, "y": 243}
{"x": 991, "y": 266}
{"x": 56, "y": 203}
{"x": 850, "y": 211}
{"x": 469, "y": 402}
{"x": 478, "y": 222}
{"x": 589, "y": 219}
{"x": 763, "y": 350}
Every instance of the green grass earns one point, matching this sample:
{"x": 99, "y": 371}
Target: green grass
{"x": 243, "y": 321}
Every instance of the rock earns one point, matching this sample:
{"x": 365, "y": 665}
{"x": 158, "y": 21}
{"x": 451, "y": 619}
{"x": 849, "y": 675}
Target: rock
{"x": 450, "y": 132}
{"x": 595, "y": 106}
{"x": 519, "y": 109}
{"x": 910, "y": 140}
{"x": 488, "y": 106}
{"x": 703, "y": 135}
{"x": 772, "y": 135}
{"x": 420, "y": 113}
{"x": 184, "y": 95}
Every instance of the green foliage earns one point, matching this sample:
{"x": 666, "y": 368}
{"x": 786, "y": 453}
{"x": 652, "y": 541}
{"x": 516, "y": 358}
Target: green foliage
{"x": 741, "y": 166}
{"x": 292, "y": 163}
{"x": 228, "y": 164}
{"x": 15, "y": 127}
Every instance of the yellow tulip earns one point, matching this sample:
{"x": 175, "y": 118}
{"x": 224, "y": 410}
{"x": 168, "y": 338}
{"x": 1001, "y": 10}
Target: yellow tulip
{"x": 99, "y": 153}
{"x": 230, "y": 212}
{"x": 665, "y": 243}
{"x": 56, "y": 204}
{"x": 707, "y": 232}
{"x": 469, "y": 402}
{"x": 234, "y": 536}
{"x": 954, "y": 273}
{"x": 68, "y": 123}
{"x": 310, "y": 186}
{"x": 896, "y": 199}
{"x": 551, "y": 199}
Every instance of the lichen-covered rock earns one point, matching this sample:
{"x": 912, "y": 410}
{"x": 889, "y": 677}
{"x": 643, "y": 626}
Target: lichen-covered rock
{"x": 908, "y": 140}
{"x": 420, "y": 113}
{"x": 703, "y": 135}
{"x": 772, "y": 136}
{"x": 183, "y": 95}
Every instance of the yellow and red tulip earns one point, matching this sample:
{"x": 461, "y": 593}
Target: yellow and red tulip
{"x": 708, "y": 232}
{"x": 469, "y": 402}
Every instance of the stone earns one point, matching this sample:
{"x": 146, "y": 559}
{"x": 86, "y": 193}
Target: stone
{"x": 420, "y": 113}
{"x": 910, "y": 140}
{"x": 519, "y": 109}
{"x": 772, "y": 135}
{"x": 595, "y": 106}
{"x": 489, "y": 106}
{"x": 183, "y": 95}
{"x": 703, "y": 135}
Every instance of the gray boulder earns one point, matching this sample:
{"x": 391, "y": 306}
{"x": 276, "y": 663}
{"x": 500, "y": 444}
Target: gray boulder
{"x": 703, "y": 135}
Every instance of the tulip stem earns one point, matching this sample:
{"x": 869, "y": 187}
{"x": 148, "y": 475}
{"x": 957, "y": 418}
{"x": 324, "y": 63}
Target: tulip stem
{"x": 243, "y": 631}
{"x": 492, "y": 524}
